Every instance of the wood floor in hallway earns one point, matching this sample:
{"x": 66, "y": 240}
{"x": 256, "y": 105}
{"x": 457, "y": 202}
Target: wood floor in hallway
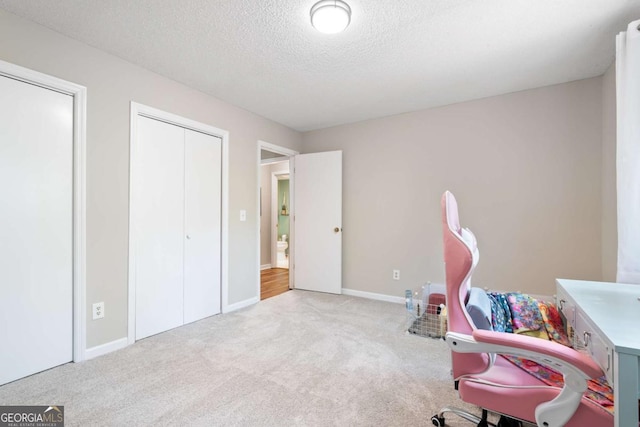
{"x": 273, "y": 281}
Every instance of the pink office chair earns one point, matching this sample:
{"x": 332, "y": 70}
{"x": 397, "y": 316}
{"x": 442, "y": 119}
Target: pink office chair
{"x": 492, "y": 382}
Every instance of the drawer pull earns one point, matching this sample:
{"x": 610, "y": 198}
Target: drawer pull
{"x": 562, "y": 303}
{"x": 608, "y": 362}
{"x": 586, "y": 337}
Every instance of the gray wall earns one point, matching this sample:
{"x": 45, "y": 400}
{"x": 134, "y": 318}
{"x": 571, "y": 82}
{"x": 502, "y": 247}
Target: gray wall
{"x": 111, "y": 84}
{"x": 609, "y": 199}
{"x": 265, "y": 219}
{"x": 525, "y": 167}
{"x": 534, "y": 173}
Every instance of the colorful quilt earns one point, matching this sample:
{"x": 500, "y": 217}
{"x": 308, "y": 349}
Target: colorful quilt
{"x": 598, "y": 390}
{"x": 500, "y": 312}
{"x": 528, "y": 316}
{"x": 524, "y": 313}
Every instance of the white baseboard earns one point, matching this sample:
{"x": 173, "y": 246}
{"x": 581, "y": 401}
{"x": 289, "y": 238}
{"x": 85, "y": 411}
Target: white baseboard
{"x": 371, "y": 295}
{"x": 242, "y": 304}
{"x": 103, "y": 349}
{"x": 265, "y": 266}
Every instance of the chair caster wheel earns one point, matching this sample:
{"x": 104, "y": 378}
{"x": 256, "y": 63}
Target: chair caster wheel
{"x": 437, "y": 421}
{"x": 508, "y": 422}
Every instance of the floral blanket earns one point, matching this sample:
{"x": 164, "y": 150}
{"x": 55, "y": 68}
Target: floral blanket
{"x": 520, "y": 313}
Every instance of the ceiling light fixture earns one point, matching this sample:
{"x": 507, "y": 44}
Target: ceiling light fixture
{"x": 330, "y": 16}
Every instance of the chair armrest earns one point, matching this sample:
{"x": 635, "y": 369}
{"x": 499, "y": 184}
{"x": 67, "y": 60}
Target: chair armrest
{"x": 575, "y": 367}
{"x": 541, "y": 347}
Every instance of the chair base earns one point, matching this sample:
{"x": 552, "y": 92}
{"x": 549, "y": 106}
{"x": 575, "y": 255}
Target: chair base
{"x": 439, "y": 421}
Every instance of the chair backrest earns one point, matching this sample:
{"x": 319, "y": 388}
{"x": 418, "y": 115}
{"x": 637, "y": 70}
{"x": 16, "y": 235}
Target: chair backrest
{"x": 460, "y": 256}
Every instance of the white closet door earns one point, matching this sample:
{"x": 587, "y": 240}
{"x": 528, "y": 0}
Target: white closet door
{"x": 36, "y": 217}
{"x": 202, "y": 225}
{"x": 159, "y": 227}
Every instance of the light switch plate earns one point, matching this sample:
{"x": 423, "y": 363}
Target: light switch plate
{"x": 243, "y": 215}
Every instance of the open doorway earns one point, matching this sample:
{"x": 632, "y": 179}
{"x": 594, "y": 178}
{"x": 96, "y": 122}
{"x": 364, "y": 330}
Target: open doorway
{"x": 280, "y": 225}
{"x": 275, "y": 185}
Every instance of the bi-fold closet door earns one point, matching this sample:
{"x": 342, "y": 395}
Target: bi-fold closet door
{"x": 177, "y": 196}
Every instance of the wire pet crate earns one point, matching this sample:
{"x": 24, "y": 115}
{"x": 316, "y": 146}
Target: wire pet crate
{"x": 427, "y": 316}
{"x": 431, "y": 323}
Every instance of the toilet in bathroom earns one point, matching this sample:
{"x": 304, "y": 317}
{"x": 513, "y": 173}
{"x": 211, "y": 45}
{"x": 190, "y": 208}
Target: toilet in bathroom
{"x": 282, "y": 261}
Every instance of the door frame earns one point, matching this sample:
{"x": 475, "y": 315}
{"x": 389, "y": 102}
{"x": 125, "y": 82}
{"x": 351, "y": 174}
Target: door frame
{"x": 137, "y": 110}
{"x": 267, "y": 146}
{"x": 79, "y": 95}
{"x": 263, "y": 163}
{"x": 274, "y": 213}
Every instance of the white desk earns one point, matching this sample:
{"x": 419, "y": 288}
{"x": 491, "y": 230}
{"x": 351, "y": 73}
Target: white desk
{"x": 607, "y": 315}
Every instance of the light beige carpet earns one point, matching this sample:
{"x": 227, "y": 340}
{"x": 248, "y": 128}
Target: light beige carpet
{"x": 298, "y": 359}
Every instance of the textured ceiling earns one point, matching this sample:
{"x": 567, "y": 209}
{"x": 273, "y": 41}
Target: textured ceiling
{"x": 396, "y": 56}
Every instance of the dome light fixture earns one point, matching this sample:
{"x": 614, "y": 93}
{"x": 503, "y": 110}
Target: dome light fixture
{"x": 330, "y": 16}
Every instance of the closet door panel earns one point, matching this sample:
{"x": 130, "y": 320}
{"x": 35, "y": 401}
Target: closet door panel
{"x": 159, "y": 227}
{"x": 36, "y": 236}
{"x": 202, "y": 225}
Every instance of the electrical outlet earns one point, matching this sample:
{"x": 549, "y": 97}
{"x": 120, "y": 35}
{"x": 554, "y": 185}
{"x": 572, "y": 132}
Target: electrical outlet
{"x": 396, "y": 274}
{"x": 98, "y": 310}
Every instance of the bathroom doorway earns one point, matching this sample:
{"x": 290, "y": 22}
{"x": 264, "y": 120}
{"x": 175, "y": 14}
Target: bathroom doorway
{"x": 275, "y": 224}
{"x": 280, "y": 213}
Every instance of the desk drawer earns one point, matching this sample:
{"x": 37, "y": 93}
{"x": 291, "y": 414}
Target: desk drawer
{"x": 588, "y": 340}
{"x": 567, "y": 309}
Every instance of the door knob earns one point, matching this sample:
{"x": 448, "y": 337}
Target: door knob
{"x": 188, "y": 237}
{"x": 336, "y": 230}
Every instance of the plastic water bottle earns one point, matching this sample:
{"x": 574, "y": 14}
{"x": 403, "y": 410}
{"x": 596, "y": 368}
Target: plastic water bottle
{"x": 408, "y": 295}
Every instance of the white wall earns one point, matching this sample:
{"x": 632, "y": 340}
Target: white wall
{"x": 525, "y": 167}
{"x": 609, "y": 198}
{"x": 111, "y": 84}
{"x": 265, "y": 220}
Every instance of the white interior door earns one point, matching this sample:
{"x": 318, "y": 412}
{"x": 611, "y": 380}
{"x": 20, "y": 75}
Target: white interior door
{"x": 36, "y": 219}
{"x": 318, "y": 222}
{"x": 203, "y": 177}
{"x": 159, "y": 227}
